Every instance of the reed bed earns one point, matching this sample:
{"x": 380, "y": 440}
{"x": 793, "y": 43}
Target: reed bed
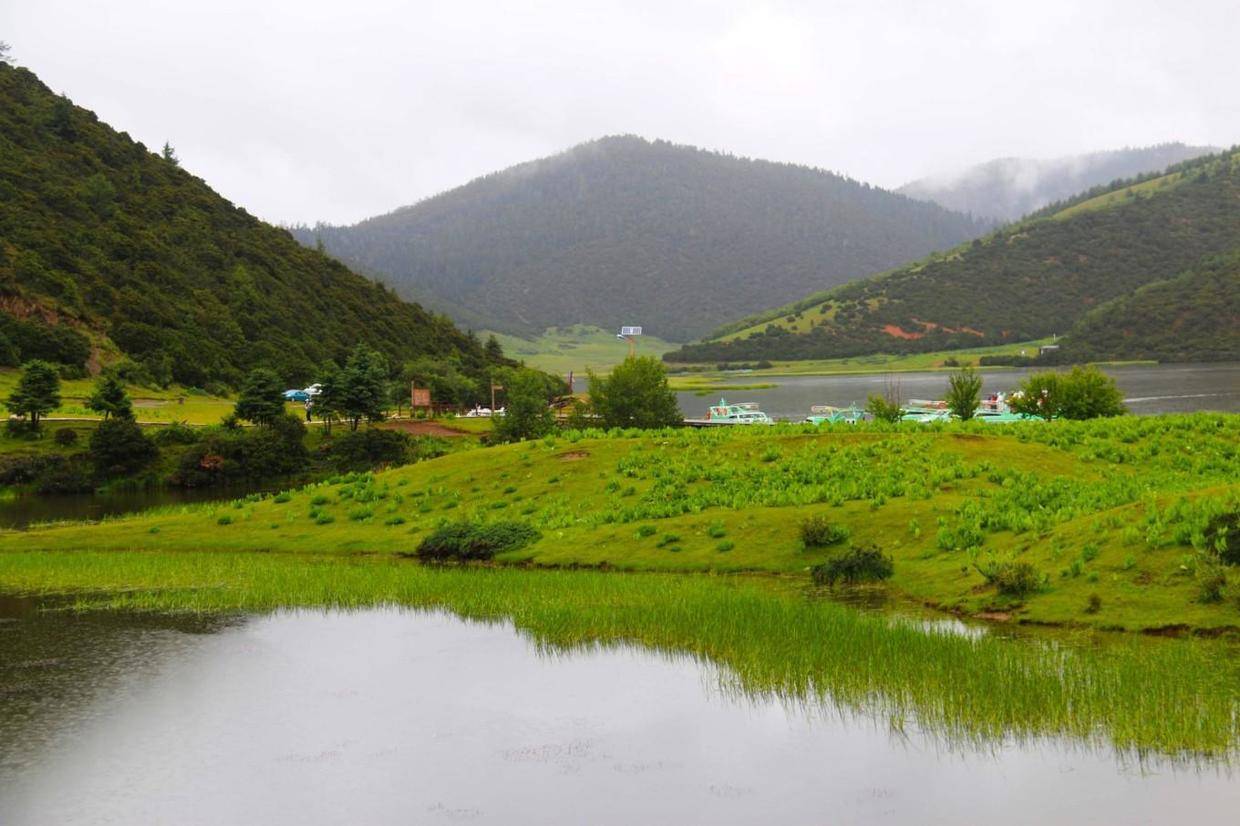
{"x": 1176, "y": 699}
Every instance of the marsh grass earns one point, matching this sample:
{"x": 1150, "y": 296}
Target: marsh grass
{"x": 1138, "y": 696}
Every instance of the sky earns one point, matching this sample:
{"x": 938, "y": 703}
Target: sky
{"x": 322, "y": 110}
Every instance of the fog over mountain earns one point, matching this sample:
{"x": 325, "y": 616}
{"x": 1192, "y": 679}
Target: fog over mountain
{"x": 1007, "y": 188}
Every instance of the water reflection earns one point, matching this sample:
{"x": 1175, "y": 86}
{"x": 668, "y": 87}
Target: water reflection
{"x": 389, "y": 716}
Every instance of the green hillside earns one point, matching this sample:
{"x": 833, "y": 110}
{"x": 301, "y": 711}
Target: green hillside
{"x": 628, "y": 231}
{"x": 1025, "y": 282}
{"x": 107, "y": 248}
{"x": 1192, "y": 317}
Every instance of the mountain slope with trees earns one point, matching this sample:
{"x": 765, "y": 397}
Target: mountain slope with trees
{"x": 628, "y": 231}
{"x": 1192, "y": 317}
{"x": 1025, "y": 282}
{"x": 108, "y": 249}
{"x": 1007, "y": 189}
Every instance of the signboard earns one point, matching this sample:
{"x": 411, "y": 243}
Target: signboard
{"x": 421, "y": 397}
{"x": 630, "y": 331}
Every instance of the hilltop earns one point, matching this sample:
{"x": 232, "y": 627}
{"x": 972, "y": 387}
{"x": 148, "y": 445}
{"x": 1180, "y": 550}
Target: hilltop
{"x": 1007, "y": 189}
{"x": 109, "y": 250}
{"x": 1027, "y": 281}
{"x": 628, "y": 231}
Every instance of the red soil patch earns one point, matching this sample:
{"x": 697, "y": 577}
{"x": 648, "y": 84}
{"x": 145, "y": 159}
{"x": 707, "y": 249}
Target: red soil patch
{"x": 899, "y": 332}
{"x": 423, "y": 429}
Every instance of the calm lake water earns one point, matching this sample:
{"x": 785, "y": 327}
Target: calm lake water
{"x": 30, "y": 509}
{"x": 389, "y": 716}
{"x": 1164, "y": 388}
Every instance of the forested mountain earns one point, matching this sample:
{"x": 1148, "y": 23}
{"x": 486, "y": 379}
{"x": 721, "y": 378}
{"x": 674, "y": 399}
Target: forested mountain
{"x": 628, "y": 231}
{"x": 1024, "y": 282}
{"x": 1192, "y": 317}
{"x": 106, "y": 246}
{"x": 1006, "y": 189}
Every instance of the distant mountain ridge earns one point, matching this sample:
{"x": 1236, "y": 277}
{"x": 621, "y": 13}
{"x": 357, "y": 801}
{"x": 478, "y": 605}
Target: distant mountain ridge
{"x": 1032, "y": 279}
{"x": 107, "y": 249}
{"x": 1007, "y": 189}
{"x": 628, "y": 231}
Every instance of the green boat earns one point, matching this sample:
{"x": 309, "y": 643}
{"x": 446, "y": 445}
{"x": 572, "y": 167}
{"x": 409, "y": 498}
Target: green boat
{"x": 826, "y": 414}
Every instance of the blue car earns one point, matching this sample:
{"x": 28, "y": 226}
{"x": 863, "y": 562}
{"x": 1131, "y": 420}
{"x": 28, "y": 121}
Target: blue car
{"x": 296, "y": 395}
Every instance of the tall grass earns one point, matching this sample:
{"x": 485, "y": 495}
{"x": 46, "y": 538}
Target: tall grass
{"x": 1138, "y": 696}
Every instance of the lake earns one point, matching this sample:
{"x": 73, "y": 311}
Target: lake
{"x": 394, "y": 716}
{"x": 1147, "y": 389}
{"x": 30, "y": 509}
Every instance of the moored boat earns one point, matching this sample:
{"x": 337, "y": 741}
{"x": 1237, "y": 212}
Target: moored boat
{"x": 743, "y": 413}
{"x": 827, "y": 414}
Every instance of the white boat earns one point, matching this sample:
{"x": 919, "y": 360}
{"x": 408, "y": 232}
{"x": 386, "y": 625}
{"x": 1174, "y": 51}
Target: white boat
{"x": 744, "y": 413}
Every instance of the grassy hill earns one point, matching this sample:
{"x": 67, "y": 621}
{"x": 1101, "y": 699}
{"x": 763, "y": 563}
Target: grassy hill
{"x": 1120, "y": 509}
{"x": 1192, "y": 317}
{"x": 1006, "y": 189}
{"x": 628, "y": 231}
{"x": 1024, "y": 282}
{"x": 577, "y": 349}
{"x": 108, "y": 249}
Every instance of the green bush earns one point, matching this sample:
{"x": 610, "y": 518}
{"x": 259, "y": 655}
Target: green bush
{"x": 72, "y": 475}
{"x": 819, "y": 532}
{"x": 225, "y": 454}
{"x": 1222, "y": 536}
{"x": 369, "y": 447}
{"x": 118, "y": 447}
{"x": 1013, "y": 579}
{"x": 475, "y": 540}
{"x": 66, "y": 437}
{"x": 857, "y": 564}
{"x": 177, "y": 433}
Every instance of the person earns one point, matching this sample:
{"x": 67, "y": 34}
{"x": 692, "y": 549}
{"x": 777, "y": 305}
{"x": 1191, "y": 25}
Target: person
{"x": 309, "y": 404}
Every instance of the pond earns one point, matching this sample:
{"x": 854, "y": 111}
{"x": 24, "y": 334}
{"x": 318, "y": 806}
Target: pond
{"x": 29, "y": 509}
{"x": 397, "y": 716}
{"x": 1148, "y": 389}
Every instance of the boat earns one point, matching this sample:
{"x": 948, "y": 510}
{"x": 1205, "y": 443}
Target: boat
{"x": 827, "y": 414}
{"x": 743, "y": 413}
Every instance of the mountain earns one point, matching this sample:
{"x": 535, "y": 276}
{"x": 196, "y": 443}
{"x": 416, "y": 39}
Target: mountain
{"x": 1026, "y": 281}
{"x": 107, "y": 249}
{"x": 1192, "y": 317}
{"x": 1008, "y": 188}
{"x": 628, "y": 231}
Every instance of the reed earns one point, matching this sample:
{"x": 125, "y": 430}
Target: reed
{"x": 1141, "y": 697}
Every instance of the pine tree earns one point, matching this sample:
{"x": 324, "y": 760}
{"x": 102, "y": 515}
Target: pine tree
{"x": 110, "y": 399}
{"x": 37, "y": 392}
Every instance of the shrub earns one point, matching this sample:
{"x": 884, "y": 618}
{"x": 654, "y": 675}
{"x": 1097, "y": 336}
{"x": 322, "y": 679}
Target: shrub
{"x": 883, "y": 409}
{"x": 725, "y": 546}
{"x": 1211, "y": 580}
{"x": 964, "y": 393}
{"x": 646, "y": 530}
{"x": 1013, "y": 579}
{"x": 66, "y": 437}
{"x": 819, "y": 532}
{"x": 226, "y": 454}
{"x": 118, "y": 447}
{"x": 73, "y": 475}
{"x": 364, "y": 449}
{"x": 1222, "y": 536}
{"x": 476, "y": 540}
{"x": 667, "y": 539}
{"x": 177, "y": 433}
{"x": 1094, "y": 604}
{"x": 857, "y": 564}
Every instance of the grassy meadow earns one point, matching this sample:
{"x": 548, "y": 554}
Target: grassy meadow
{"x": 151, "y": 405}
{"x": 577, "y": 348}
{"x": 1112, "y": 515}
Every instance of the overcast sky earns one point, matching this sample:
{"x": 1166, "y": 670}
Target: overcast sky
{"x": 306, "y": 110}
